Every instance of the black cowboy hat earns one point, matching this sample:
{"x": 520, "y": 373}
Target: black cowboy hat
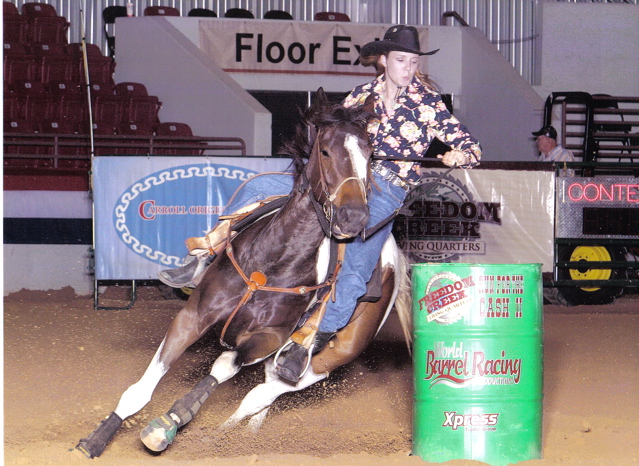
{"x": 397, "y": 38}
{"x": 546, "y": 131}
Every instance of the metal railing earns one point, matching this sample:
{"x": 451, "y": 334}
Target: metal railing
{"x": 596, "y": 128}
{"x": 70, "y": 150}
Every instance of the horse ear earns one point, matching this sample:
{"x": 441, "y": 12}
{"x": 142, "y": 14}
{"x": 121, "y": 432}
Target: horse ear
{"x": 318, "y": 108}
{"x": 369, "y": 107}
{"x": 321, "y": 100}
{"x": 369, "y": 103}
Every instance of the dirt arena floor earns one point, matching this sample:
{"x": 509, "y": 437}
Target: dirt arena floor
{"x": 65, "y": 366}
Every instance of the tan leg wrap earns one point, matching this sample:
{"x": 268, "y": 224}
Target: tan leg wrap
{"x": 218, "y": 235}
{"x": 305, "y": 335}
{"x": 213, "y": 240}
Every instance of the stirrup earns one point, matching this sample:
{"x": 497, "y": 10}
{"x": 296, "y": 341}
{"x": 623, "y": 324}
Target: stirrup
{"x": 293, "y": 351}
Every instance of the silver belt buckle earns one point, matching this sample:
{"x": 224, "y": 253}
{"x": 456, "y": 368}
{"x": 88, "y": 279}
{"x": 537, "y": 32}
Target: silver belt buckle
{"x": 389, "y": 175}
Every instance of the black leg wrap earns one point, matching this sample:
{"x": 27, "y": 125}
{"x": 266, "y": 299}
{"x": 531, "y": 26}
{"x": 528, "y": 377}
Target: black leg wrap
{"x": 93, "y": 445}
{"x": 187, "y": 407}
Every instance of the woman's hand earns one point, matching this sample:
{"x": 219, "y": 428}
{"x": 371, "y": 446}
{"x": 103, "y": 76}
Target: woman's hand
{"x": 454, "y": 158}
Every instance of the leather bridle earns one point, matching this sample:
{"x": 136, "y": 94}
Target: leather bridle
{"x": 323, "y": 203}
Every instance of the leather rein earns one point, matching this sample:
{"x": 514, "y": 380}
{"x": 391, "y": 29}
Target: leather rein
{"x": 323, "y": 204}
{"x": 257, "y": 279}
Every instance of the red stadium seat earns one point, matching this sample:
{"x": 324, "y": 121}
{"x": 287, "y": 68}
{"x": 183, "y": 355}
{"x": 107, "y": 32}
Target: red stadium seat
{"x": 25, "y": 88}
{"x": 77, "y": 145}
{"x": 331, "y": 16}
{"x": 57, "y": 68}
{"x": 9, "y": 9}
{"x": 161, "y": 11}
{"x": 99, "y": 129}
{"x": 44, "y": 24}
{"x": 34, "y": 10}
{"x": 100, "y": 67}
{"x": 64, "y": 88}
{"x": 56, "y": 126}
{"x": 23, "y": 127}
{"x": 74, "y": 50}
{"x": 49, "y": 29}
{"x": 173, "y": 129}
{"x": 42, "y": 49}
{"x": 16, "y": 48}
{"x": 73, "y": 108}
{"x": 39, "y": 107}
{"x": 15, "y": 29}
{"x": 20, "y": 67}
{"x": 135, "y": 129}
{"x": 176, "y": 130}
{"x": 99, "y": 89}
{"x": 202, "y": 13}
{"x": 144, "y": 109}
{"x": 278, "y": 14}
{"x": 130, "y": 89}
{"x": 238, "y": 13}
{"x": 100, "y": 70}
{"x": 110, "y": 109}
{"x": 12, "y": 107}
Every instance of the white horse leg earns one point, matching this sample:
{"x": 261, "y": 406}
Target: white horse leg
{"x": 132, "y": 400}
{"x": 255, "y": 423}
{"x": 256, "y": 402}
{"x": 161, "y": 431}
{"x": 139, "y": 394}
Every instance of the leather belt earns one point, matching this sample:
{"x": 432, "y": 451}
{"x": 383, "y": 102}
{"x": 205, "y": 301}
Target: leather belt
{"x": 390, "y": 176}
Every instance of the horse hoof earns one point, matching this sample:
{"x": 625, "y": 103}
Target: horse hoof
{"x": 159, "y": 434}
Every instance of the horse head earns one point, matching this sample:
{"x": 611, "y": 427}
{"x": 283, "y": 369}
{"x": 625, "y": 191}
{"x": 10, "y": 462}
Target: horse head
{"x": 338, "y": 169}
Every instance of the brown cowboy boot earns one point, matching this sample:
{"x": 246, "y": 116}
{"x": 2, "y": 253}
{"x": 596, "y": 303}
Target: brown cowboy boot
{"x": 297, "y": 357}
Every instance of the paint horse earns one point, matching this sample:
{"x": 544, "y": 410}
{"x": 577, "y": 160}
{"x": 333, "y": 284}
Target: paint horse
{"x": 255, "y": 292}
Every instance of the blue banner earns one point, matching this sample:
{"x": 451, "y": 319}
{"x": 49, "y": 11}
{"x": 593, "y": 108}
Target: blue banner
{"x": 146, "y": 207}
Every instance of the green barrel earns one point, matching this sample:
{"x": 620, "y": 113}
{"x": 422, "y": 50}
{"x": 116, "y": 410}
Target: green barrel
{"x": 477, "y": 362}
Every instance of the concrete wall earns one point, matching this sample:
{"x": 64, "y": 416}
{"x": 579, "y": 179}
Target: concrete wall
{"x": 497, "y": 104}
{"x": 47, "y": 267}
{"x": 590, "y": 47}
{"x": 192, "y": 88}
{"x": 490, "y": 97}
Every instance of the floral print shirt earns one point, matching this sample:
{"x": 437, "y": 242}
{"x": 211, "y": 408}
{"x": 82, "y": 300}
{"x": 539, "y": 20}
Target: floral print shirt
{"x": 420, "y": 116}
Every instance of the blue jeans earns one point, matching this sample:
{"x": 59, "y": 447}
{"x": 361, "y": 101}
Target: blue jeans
{"x": 360, "y": 257}
{"x": 260, "y": 187}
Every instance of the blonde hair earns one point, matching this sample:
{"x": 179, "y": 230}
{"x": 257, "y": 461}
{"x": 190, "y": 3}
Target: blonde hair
{"x": 374, "y": 60}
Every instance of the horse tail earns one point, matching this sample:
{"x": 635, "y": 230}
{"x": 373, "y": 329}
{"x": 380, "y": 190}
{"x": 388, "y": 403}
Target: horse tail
{"x": 404, "y": 300}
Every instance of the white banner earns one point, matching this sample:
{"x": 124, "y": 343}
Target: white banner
{"x": 482, "y": 216}
{"x": 298, "y": 47}
{"x": 146, "y": 207}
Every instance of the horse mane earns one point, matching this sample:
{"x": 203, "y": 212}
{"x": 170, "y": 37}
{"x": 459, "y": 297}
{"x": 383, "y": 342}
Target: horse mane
{"x": 313, "y": 119}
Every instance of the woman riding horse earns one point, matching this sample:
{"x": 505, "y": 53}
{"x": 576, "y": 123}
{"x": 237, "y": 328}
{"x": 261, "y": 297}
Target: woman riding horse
{"x": 410, "y": 115}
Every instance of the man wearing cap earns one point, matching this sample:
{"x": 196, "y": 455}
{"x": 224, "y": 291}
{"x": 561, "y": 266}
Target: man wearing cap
{"x": 551, "y": 151}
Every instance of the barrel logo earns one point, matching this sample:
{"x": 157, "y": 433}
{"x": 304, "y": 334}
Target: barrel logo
{"x": 447, "y": 297}
{"x": 154, "y": 214}
{"x": 456, "y": 366}
{"x": 470, "y": 422}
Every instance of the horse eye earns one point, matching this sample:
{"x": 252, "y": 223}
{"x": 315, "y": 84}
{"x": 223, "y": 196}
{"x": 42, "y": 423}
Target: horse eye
{"x": 325, "y": 153}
